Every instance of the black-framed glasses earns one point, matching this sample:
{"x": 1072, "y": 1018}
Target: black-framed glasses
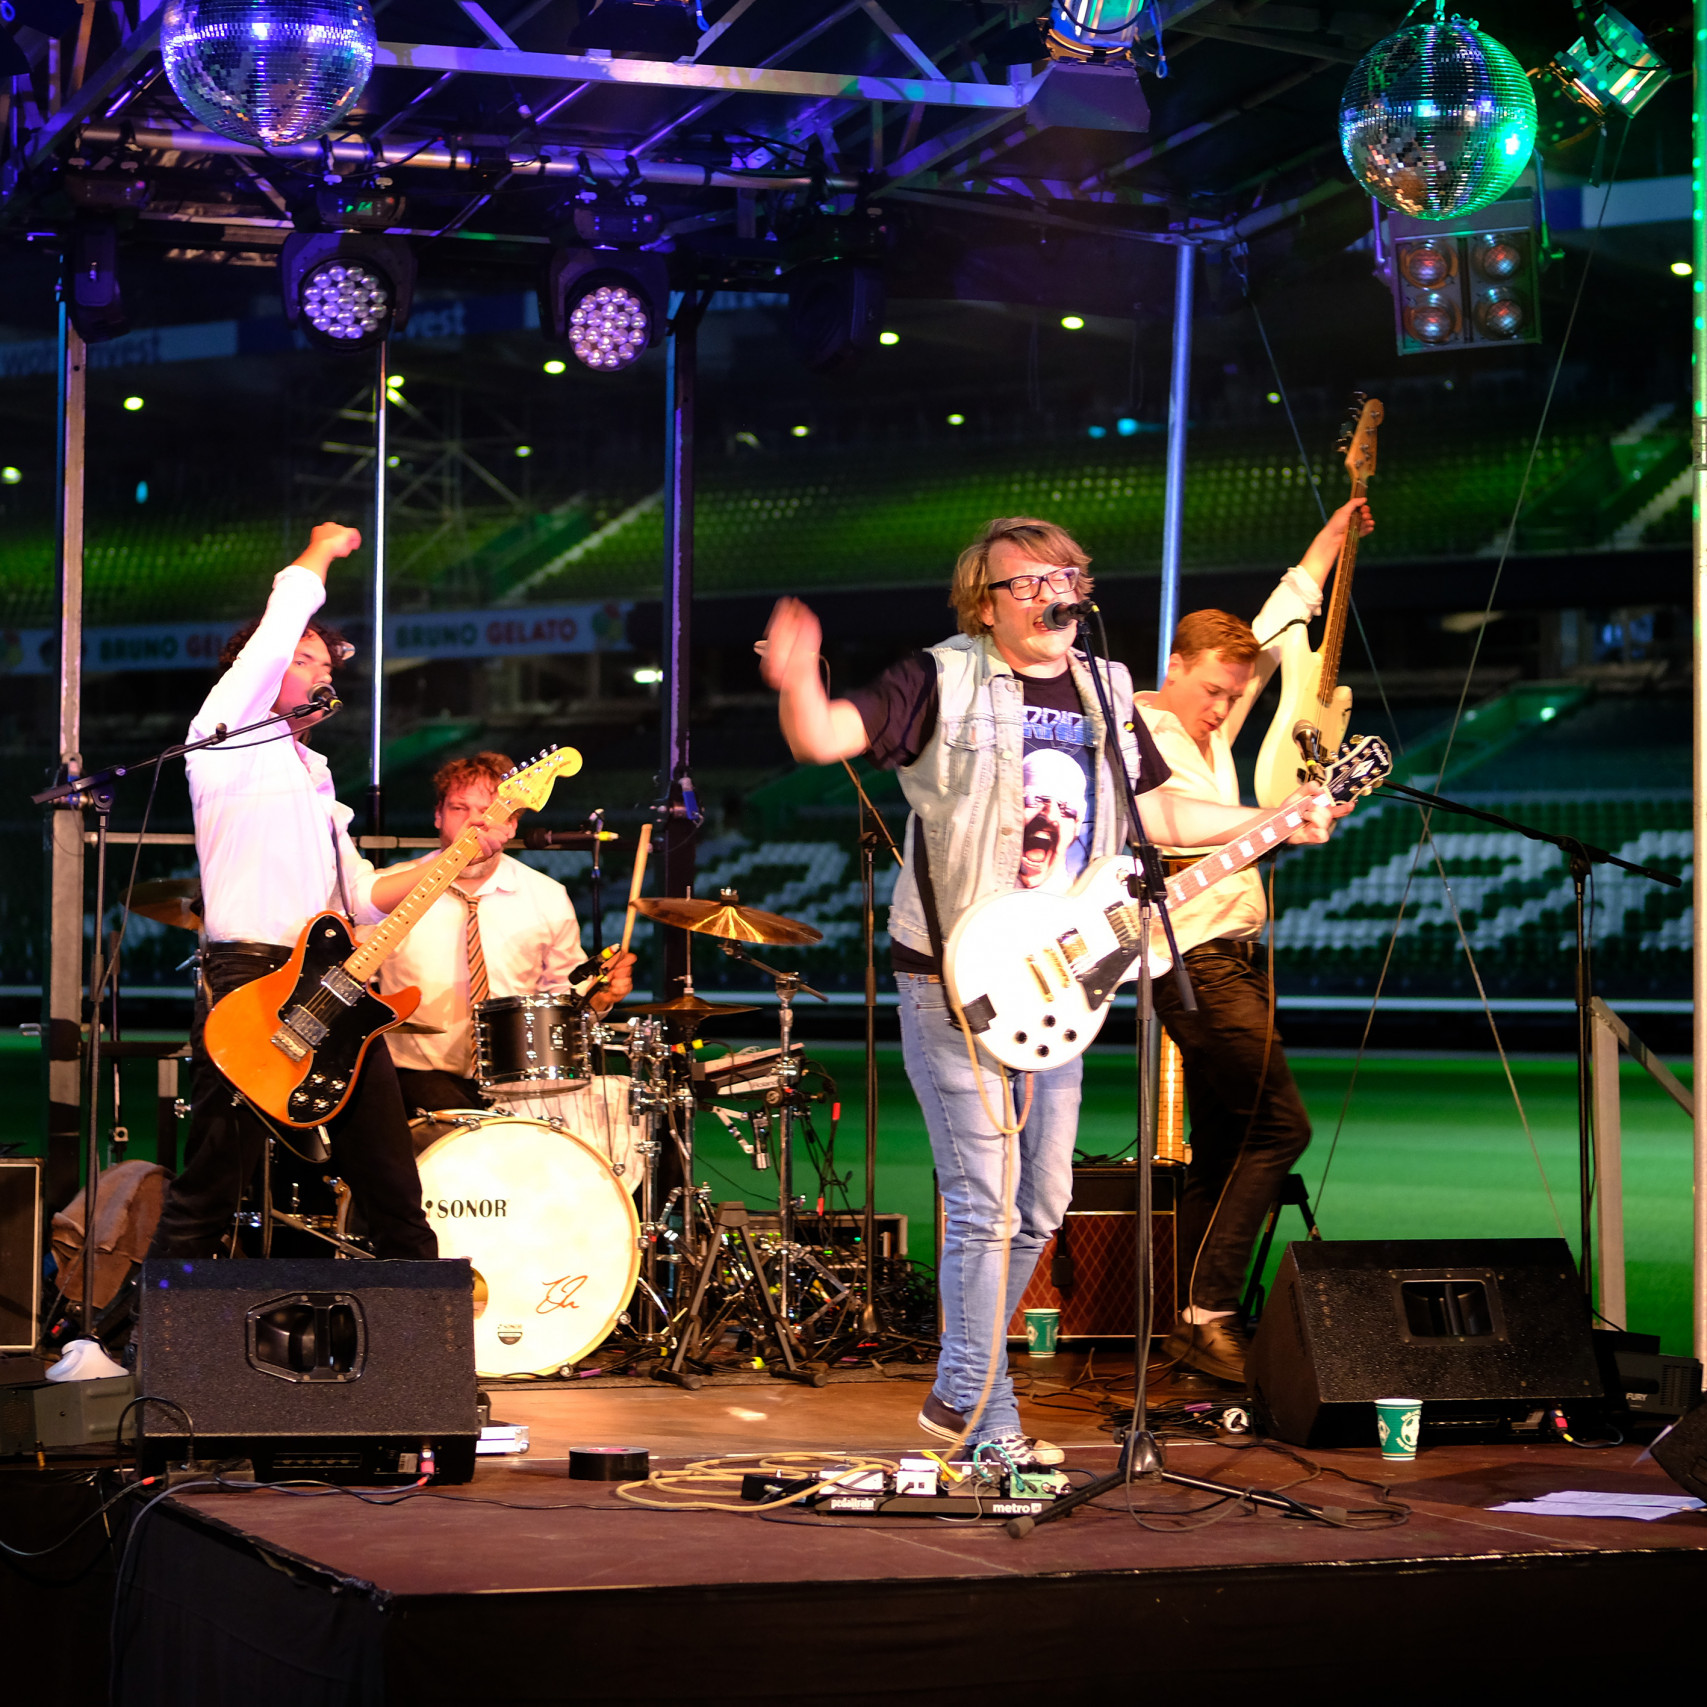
{"x": 1025, "y": 587}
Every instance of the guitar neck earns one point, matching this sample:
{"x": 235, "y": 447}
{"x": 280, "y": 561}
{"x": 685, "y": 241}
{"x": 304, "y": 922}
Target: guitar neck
{"x": 1339, "y": 605}
{"x": 1247, "y": 850}
{"x": 402, "y": 918}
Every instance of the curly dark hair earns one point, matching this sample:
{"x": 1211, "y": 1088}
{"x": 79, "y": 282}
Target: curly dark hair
{"x": 337, "y": 647}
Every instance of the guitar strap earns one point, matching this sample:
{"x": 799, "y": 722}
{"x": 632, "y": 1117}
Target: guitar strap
{"x": 338, "y": 867}
{"x": 927, "y": 892}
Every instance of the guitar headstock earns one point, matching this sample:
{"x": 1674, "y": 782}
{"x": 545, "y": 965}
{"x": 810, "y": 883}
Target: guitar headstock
{"x": 1357, "y": 437}
{"x": 530, "y": 786}
{"x": 1363, "y": 764}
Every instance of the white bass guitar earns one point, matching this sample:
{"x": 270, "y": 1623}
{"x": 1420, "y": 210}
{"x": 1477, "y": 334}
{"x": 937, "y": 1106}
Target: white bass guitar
{"x": 1034, "y": 973}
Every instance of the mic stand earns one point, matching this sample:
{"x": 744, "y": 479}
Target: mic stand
{"x": 1580, "y": 858}
{"x": 98, "y": 790}
{"x": 1141, "y": 1453}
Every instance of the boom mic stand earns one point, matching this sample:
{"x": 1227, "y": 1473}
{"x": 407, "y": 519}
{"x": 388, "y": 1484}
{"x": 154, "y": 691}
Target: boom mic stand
{"x": 1580, "y": 858}
{"x": 98, "y": 789}
{"x": 1141, "y": 1453}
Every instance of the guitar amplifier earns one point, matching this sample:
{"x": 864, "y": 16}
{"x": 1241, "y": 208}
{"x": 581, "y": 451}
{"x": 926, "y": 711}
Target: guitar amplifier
{"x": 1086, "y": 1271}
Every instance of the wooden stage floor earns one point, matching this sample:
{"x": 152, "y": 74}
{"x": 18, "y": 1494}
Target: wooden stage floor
{"x": 526, "y": 1587}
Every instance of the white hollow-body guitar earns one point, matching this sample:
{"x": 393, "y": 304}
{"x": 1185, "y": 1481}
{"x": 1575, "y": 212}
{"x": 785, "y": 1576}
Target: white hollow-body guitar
{"x": 1310, "y": 720}
{"x": 1034, "y": 973}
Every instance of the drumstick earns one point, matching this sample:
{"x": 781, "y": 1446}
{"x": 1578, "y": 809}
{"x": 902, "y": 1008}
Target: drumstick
{"x": 641, "y": 849}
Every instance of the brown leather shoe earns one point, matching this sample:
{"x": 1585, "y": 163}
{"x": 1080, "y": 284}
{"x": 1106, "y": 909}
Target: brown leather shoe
{"x": 1217, "y": 1348}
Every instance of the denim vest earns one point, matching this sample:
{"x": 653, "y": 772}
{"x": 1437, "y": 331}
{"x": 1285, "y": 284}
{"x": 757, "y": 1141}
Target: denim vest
{"x": 966, "y": 787}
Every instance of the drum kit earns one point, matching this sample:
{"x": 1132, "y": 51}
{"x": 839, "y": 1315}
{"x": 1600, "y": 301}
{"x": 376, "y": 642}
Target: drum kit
{"x": 573, "y": 1197}
{"x": 572, "y": 1192}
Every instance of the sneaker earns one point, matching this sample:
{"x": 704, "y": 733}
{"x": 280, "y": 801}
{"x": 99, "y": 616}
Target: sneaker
{"x": 1217, "y": 1348}
{"x": 946, "y": 1423}
{"x": 1019, "y": 1451}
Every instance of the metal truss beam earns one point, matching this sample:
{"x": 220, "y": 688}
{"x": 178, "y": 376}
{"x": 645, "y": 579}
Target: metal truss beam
{"x": 709, "y": 79}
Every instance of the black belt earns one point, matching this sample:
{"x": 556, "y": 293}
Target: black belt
{"x": 272, "y": 953}
{"x": 1239, "y": 947}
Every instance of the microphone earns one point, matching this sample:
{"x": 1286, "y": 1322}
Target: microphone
{"x": 1059, "y": 614}
{"x": 326, "y": 697}
{"x": 541, "y": 839}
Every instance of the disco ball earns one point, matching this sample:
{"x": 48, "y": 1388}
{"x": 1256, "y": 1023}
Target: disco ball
{"x": 346, "y": 301}
{"x": 268, "y": 71}
{"x": 1438, "y": 119}
{"x": 609, "y": 327}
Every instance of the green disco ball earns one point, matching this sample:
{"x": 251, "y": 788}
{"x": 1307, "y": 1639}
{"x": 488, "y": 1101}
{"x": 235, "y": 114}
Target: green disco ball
{"x": 1437, "y": 119}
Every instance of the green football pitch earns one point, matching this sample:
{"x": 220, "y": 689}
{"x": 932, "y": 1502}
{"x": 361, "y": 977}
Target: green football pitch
{"x": 1430, "y": 1147}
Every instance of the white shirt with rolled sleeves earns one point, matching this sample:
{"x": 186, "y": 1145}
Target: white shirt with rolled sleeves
{"x": 528, "y": 935}
{"x": 1235, "y": 906}
{"x": 265, "y": 808}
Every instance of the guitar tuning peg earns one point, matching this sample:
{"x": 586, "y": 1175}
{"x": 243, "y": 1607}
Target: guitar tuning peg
{"x": 1359, "y": 398}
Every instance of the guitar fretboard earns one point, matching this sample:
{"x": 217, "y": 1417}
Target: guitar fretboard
{"x": 1247, "y": 850}
{"x": 402, "y": 918}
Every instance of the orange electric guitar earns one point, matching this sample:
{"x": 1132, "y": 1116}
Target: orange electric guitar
{"x": 293, "y": 1041}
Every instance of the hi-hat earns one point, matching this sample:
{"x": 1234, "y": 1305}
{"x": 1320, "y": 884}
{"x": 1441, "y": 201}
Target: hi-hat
{"x": 169, "y": 901}
{"x": 728, "y": 919}
{"x": 687, "y": 1007}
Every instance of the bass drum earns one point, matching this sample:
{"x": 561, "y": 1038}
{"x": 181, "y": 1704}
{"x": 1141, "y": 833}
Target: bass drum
{"x": 550, "y": 1231}
{"x": 597, "y": 1113}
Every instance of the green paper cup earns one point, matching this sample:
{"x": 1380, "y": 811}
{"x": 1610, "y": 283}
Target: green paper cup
{"x": 1042, "y": 1331}
{"x": 1398, "y": 1422}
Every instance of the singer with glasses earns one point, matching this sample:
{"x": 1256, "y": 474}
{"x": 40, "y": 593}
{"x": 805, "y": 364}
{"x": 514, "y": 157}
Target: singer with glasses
{"x": 502, "y": 929}
{"x": 274, "y": 847}
{"x": 1010, "y": 770}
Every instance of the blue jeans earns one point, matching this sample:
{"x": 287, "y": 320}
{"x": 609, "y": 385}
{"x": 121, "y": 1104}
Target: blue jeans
{"x": 976, "y": 1308}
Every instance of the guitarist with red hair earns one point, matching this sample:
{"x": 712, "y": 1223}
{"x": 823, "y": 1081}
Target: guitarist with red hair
{"x": 274, "y": 847}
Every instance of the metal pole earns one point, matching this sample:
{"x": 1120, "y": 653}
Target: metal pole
{"x": 1698, "y": 496}
{"x": 62, "y": 982}
{"x": 376, "y": 736}
{"x": 1608, "y": 1177}
{"x": 1179, "y": 407}
{"x": 675, "y": 790}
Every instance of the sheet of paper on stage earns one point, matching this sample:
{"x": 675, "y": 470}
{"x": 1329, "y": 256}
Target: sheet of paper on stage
{"x": 1584, "y": 1502}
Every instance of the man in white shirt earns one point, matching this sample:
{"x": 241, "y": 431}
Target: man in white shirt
{"x": 529, "y": 943}
{"x": 1248, "y": 1124}
{"x": 274, "y": 847}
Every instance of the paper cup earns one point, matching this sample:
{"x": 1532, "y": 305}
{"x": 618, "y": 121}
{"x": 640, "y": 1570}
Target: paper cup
{"x": 1398, "y": 1422}
{"x": 1042, "y": 1331}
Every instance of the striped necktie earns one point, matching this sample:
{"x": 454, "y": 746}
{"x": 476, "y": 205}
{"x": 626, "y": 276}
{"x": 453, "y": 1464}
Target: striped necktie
{"x": 479, "y": 988}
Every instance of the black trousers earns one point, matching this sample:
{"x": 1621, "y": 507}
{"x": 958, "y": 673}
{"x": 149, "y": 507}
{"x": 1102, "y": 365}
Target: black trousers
{"x": 369, "y": 1140}
{"x": 426, "y": 1089}
{"x": 1248, "y": 1126}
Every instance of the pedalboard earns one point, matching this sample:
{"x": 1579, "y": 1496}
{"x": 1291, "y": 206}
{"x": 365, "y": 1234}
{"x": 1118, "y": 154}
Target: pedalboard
{"x": 921, "y": 1487}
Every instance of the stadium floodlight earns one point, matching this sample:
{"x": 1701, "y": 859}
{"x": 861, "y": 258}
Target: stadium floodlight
{"x": 346, "y": 290}
{"x": 608, "y": 306}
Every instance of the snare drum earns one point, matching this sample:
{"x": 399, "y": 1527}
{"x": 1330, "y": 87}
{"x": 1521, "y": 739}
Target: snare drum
{"x": 522, "y": 1043}
{"x": 550, "y": 1231}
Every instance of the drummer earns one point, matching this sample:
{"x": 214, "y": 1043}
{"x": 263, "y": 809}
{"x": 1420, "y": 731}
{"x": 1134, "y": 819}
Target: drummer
{"x": 502, "y": 929}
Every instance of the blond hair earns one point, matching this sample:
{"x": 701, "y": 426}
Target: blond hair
{"x": 1042, "y": 542}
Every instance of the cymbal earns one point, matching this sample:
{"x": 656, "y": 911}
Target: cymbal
{"x": 688, "y": 1007}
{"x": 169, "y": 901}
{"x": 727, "y": 919}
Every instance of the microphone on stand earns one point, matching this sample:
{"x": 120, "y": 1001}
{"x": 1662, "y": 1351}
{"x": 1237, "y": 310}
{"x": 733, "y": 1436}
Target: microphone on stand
{"x": 326, "y": 698}
{"x": 543, "y": 839}
{"x": 1060, "y": 614}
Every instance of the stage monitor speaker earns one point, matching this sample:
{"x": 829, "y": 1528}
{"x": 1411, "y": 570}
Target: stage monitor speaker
{"x": 330, "y": 1370}
{"x": 20, "y": 1251}
{"x": 1682, "y": 1451}
{"x": 1486, "y": 1332}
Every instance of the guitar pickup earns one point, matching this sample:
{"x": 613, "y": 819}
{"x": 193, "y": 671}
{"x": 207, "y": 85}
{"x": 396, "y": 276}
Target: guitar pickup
{"x": 1119, "y": 918}
{"x": 1073, "y": 946}
{"x": 288, "y": 1043}
{"x": 307, "y": 1028}
{"x": 337, "y": 982}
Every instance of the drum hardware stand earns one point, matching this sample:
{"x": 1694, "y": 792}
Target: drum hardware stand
{"x": 271, "y": 1216}
{"x": 786, "y": 1104}
{"x": 731, "y": 1237}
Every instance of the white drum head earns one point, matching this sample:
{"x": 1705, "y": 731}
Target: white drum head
{"x": 549, "y": 1229}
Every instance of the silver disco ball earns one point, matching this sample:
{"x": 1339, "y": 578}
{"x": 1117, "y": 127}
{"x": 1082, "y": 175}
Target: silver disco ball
{"x": 1438, "y": 119}
{"x": 268, "y": 71}
{"x": 608, "y": 327}
{"x": 345, "y": 300}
